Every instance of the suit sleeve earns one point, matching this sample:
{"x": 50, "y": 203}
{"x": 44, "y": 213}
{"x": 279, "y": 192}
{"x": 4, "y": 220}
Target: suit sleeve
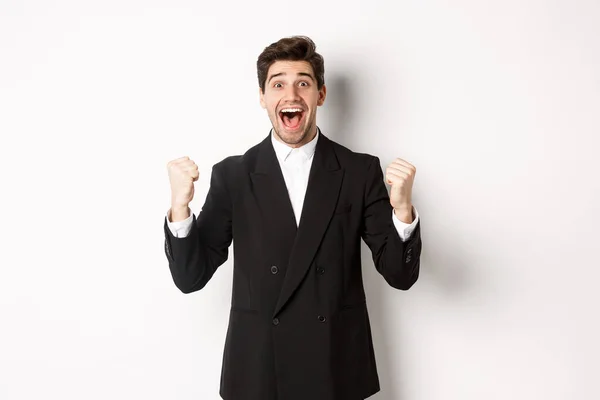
{"x": 194, "y": 259}
{"x": 396, "y": 260}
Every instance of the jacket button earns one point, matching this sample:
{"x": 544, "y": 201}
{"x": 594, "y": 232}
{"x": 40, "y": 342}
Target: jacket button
{"x": 274, "y": 269}
{"x": 275, "y": 321}
{"x": 321, "y": 318}
{"x": 320, "y": 271}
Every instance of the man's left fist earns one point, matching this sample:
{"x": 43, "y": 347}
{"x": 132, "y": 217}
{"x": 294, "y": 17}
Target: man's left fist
{"x": 400, "y": 176}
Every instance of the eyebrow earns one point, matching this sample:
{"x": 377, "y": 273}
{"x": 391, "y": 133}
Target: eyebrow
{"x": 299, "y": 73}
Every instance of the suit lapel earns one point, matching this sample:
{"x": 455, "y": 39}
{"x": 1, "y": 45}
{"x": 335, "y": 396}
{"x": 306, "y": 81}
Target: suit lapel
{"x": 277, "y": 215}
{"x": 323, "y": 189}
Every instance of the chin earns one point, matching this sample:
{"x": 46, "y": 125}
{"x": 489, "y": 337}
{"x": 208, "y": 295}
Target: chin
{"x": 293, "y": 137}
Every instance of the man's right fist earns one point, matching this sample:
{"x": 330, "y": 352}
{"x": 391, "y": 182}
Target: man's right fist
{"x": 183, "y": 172}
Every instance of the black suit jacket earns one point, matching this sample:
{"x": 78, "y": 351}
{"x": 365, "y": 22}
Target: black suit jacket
{"x": 299, "y": 327}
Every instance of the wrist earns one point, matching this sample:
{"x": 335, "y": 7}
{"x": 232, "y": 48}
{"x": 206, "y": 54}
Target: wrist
{"x": 404, "y": 213}
{"x": 179, "y": 213}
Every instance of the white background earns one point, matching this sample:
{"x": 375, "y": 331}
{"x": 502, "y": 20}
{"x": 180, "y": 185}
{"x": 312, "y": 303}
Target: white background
{"x": 497, "y": 104}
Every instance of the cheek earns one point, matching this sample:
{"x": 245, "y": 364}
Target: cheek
{"x": 273, "y": 112}
{"x": 312, "y": 101}
{"x": 268, "y": 106}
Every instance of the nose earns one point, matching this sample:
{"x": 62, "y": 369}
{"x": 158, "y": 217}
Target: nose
{"x": 291, "y": 93}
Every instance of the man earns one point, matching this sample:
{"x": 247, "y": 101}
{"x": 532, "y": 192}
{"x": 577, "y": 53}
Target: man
{"x": 296, "y": 206}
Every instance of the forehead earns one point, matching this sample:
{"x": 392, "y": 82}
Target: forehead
{"x": 290, "y": 68}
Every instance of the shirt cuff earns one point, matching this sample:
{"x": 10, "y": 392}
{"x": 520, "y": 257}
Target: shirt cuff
{"x": 404, "y": 229}
{"x": 180, "y": 229}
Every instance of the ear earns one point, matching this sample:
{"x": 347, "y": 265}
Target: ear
{"x": 262, "y": 98}
{"x": 322, "y": 95}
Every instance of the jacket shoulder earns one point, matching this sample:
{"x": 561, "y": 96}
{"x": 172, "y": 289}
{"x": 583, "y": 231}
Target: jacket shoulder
{"x": 239, "y": 163}
{"x": 234, "y": 169}
{"x": 228, "y": 164}
{"x": 352, "y": 160}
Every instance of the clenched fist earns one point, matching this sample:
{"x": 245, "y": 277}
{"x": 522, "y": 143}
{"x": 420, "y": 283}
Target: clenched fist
{"x": 183, "y": 172}
{"x": 400, "y": 175}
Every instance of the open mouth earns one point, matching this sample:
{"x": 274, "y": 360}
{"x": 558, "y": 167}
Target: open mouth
{"x": 291, "y": 117}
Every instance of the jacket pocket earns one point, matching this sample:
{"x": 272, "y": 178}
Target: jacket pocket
{"x": 343, "y": 208}
{"x": 243, "y": 310}
{"x": 354, "y": 305}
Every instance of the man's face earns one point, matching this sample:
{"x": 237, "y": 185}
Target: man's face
{"x": 291, "y": 99}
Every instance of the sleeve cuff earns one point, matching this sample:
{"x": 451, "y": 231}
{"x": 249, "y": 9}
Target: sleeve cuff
{"x": 180, "y": 229}
{"x": 404, "y": 229}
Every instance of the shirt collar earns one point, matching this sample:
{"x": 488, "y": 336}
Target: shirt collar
{"x": 283, "y": 151}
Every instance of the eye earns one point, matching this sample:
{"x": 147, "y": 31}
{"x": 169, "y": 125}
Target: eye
{"x": 303, "y": 83}
{"x": 277, "y": 85}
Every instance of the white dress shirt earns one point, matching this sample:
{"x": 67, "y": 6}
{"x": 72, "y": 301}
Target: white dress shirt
{"x": 295, "y": 165}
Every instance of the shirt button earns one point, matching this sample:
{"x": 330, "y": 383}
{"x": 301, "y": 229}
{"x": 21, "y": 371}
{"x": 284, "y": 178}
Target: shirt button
{"x": 320, "y": 271}
{"x": 275, "y": 321}
{"x": 321, "y": 318}
{"x": 274, "y": 269}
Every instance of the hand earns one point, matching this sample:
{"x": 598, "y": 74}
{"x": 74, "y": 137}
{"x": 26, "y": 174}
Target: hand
{"x": 400, "y": 176}
{"x": 183, "y": 172}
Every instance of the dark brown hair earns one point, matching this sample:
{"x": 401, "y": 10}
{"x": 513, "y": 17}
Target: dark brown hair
{"x": 295, "y": 48}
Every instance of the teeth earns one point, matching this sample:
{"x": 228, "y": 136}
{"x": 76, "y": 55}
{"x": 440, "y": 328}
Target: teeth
{"x": 291, "y": 110}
